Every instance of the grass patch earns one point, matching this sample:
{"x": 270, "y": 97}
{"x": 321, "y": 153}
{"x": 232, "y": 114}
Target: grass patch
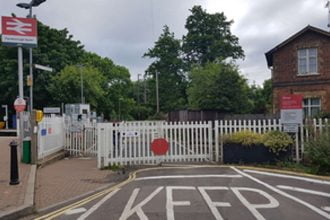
{"x": 296, "y": 167}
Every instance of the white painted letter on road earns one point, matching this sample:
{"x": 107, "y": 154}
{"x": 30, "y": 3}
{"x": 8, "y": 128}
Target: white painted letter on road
{"x": 128, "y": 210}
{"x": 273, "y": 203}
{"x": 169, "y": 200}
{"x": 213, "y": 205}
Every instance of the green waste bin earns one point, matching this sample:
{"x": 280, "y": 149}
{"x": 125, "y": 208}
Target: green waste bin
{"x": 26, "y": 151}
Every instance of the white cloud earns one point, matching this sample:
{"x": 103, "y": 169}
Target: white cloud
{"x": 124, "y": 29}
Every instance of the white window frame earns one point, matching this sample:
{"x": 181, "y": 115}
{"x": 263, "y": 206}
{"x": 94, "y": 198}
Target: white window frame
{"x": 309, "y": 105}
{"x": 308, "y": 72}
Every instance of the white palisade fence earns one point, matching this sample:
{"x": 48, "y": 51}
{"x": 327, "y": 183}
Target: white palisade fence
{"x": 130, "y": 143}
{"x": 50, "y": 136}
{"x": 305, "y": 132}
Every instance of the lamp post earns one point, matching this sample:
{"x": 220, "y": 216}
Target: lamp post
{"x": 33, "y": 3}
{"x": 138, "y": 95}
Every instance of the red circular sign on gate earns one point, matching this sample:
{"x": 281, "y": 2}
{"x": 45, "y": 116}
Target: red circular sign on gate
{"x": 159, "y": 146}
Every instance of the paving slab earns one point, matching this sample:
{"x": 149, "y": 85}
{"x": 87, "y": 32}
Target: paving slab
{"x": 68, "y": 178}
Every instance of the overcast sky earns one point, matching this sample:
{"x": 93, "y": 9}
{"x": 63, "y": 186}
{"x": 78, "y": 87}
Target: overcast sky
{"x": 124, "y": 29}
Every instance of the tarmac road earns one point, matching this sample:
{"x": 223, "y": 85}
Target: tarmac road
{"x": 197, "y": 193}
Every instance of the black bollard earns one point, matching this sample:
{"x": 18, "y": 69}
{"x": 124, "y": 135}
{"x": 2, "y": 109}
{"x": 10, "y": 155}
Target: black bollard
{"x": 14, "y": 180}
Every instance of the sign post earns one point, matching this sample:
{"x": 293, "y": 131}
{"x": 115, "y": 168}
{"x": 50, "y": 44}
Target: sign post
{"x": 19, "y": 32}
{"x": 292, "y": 116}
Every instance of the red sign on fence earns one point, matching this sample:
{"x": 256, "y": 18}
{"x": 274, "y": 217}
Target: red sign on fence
{"x": 291, "y": 102}
{"x": 159, "y": 146}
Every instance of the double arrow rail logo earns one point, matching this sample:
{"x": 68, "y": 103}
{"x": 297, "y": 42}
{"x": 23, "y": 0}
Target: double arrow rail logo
{"x": 19, "y": 26}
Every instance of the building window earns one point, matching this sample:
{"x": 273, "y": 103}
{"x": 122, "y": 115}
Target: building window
{"x": 307, "y": 61}
{"x": 312, "y": 106}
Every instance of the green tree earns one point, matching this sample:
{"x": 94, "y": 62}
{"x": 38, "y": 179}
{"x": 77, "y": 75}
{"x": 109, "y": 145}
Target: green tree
{"x": 218, "y": 86}
{"x": 209, "y": 38}
{"x": 117, "y": 100}
{"x": 267, "y": 92}
{"x": 66, "y": 86}
{"x": 261, "y": 97}
{"x": 169, "y": 67}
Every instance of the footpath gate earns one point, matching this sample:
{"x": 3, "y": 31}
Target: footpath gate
{"x": 81, "y": 139}
{"x": 129, "y": 143}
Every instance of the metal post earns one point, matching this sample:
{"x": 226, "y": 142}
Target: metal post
{"x": 157, "y": 93}
{"x": 31, "y": 72}
{"x": 34, "y": 149}
{"x": 14, "y": 179}
{"x": 20, "y": 72}
{"x": 21, "y": 94}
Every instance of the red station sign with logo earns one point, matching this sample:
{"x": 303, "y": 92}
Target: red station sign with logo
{"x": 19, "y": 31}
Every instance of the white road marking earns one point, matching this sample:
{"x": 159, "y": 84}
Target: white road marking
{"x": 273, "y": 203}
{"x": 128, "y": 210}
{"x": 290, "y": 177}
{"x": 75, "y": 211}
{"x": 97, "y": 205}
{"x": 188, "y": 176}
{"x": 326, "y": 208}
{"x": 169, "y": 200}
{"x": 297, "y": 189}
{"x": 310, "y": 206}
{"x": 213, "y": 205}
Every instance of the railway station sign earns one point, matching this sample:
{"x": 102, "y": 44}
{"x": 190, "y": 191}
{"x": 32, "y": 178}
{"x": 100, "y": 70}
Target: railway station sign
{"x": 21, "y": 32}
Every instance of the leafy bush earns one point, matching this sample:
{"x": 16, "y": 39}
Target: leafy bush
{"x": 246, "y": 138}
{"x": 277, "y": 141}
{"x": 318, "y": 152}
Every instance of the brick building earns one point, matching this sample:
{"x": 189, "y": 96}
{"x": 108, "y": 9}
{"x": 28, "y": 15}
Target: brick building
{"x": 301, "y": 65}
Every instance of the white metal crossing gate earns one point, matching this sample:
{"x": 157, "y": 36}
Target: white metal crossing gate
{"x": 130, "y": 143}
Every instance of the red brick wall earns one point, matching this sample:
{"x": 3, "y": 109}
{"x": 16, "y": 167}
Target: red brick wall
{"x": 285, "y": 69}
{"x": 285, "y": 60}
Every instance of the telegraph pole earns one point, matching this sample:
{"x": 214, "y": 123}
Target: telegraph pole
{"x": 157, "y": 92}
{"x": 328, "y": 6}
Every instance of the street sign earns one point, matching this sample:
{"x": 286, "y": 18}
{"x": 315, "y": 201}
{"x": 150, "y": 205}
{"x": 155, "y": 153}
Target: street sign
{"x": 52, "y": 110}
{"x": 130, "y": 134}
{"x": 159, "y": 146}
{"x": 41, "y": 67}
{"x": 291, "y": 116}
{"x": 19, "y": 31}
{"x": 19, "y": 105}
{"x": 291, "y": 112}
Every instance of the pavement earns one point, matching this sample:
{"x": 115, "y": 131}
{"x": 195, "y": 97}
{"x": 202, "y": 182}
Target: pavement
{"x": 12, "y": 197}
{"x": 48, "y": 186}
